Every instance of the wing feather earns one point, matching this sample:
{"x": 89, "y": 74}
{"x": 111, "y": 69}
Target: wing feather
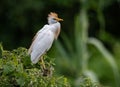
{"x": 42, "y": 42}
{"x": 34, "y": 38}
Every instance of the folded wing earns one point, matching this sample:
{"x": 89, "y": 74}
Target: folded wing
{"x": 41, "y": 43}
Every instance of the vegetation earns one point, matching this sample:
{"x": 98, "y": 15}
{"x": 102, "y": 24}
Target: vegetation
{"x": 78, "y": 52}
{"x": 86, "y": 52}
{"x": 16, "y": 69}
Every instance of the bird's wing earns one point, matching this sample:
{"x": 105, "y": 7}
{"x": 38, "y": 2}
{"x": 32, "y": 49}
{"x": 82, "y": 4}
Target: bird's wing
{"x": 33, "y": 40}
{"x": 42, "y": 42}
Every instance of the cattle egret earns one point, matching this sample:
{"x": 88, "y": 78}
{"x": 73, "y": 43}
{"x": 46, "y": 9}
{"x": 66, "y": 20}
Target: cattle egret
{"x": 44, "y": 38}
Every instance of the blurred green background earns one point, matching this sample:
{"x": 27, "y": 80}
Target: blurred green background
{"x": 89, "y": 42}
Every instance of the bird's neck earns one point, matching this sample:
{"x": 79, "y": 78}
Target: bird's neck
{"x": 54, "y": 26}
{"x": 50, "y": 23}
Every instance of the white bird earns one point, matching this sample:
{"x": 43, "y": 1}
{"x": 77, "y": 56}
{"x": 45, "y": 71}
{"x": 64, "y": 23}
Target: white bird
{"x": 44, "y": 38}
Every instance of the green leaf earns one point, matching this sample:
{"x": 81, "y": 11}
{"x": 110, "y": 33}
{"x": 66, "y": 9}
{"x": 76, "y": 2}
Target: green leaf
{"x": 20, "y": 68}
{"x": 21, "y": 81}
{"x": 8, "y": 68}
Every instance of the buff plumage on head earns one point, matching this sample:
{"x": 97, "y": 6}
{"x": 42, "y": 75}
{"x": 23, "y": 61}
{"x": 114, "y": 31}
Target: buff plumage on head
{"x": 54, "y": 15}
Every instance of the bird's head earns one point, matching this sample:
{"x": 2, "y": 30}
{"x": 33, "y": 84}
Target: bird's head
{"x": 53, "y": 18}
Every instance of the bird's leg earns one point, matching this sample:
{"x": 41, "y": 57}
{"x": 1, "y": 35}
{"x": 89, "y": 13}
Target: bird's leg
{"x": 42, "y": 63}
{"x": 45, "y": 70}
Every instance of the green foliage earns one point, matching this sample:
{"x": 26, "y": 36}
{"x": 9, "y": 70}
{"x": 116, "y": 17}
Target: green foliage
{"x": 107, "y": 56}
{"x": 87, "y": 82}
{"x": 77, "y": 55}
{"x": 16, "y": 70}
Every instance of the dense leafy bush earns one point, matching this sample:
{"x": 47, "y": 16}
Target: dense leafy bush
{"x": 17, "y": 70}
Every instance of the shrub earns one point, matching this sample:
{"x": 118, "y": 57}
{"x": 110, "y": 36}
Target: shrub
{"x": 16, "y": 69}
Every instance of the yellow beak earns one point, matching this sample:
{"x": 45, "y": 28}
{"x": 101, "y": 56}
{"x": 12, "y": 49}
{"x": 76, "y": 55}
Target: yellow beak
{"x": 59, "y": 19}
